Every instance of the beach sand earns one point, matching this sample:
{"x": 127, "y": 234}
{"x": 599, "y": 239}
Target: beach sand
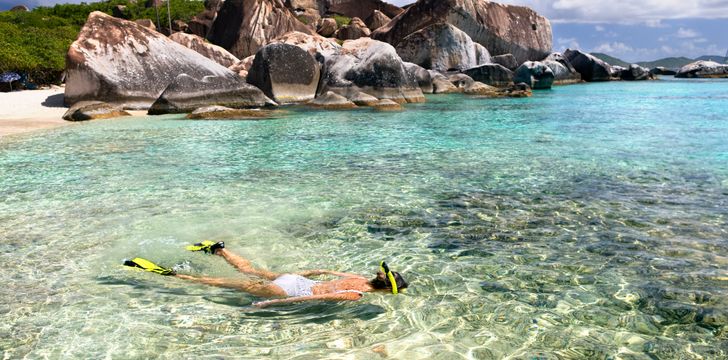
{"x": 30, "y": 110}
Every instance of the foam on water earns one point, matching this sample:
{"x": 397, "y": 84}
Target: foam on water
{"x": 589, "y": 221}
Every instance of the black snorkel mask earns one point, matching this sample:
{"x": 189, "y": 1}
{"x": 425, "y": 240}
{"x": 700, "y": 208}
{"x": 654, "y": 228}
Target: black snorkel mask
{"x": 385, "y": 269}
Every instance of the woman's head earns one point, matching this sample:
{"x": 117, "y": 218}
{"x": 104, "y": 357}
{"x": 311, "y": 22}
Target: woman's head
{"x": 381, "y": 282}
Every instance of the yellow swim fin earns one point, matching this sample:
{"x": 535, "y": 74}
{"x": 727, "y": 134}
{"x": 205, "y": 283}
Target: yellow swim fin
{"x": 147, "y": 265}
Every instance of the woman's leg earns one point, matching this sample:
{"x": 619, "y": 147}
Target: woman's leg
{"x": 243, "y": 265}
{"x": 260, "y": 288}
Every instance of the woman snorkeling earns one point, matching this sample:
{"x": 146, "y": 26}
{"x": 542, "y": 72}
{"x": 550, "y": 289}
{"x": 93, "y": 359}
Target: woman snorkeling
{"x": 287, "y": 288}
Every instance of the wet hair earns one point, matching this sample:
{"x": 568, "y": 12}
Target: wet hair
{"x": 378, "y": 283}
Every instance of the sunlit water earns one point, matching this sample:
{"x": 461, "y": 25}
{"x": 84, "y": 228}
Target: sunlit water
{"x": 587, "y": 222}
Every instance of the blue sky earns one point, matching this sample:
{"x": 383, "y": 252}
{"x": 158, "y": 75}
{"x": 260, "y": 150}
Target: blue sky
{"x": 628, "y": 29}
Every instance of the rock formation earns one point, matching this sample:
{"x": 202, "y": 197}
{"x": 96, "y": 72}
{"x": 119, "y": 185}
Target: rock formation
{"x": 442, "y": 47}
{"x": 502, "y": 29}
{"x": 201, "y": 23}
{"x": 636, "y": 72}
{"x": 332, "y": 101}
{"x": 123, "y": 63}
{"x": 93, "y": 110}
{"x": 286, "y": 73}
{"x": 369, "y": 66}
{"x": 661, "y": 70}
{"x": 327, "y": 27}
{"x": 355, "y": 30}
{"x": 312, "y": 43}
{"x": 362, "y": 99}
{"x": 361, "y": 8}
{"x": 210, "y": 51}
{"x": 376, "y": 20}
{"x": 186, "y": 94}
{"x": 421, "y": 76}
{"x": 441, "y": 84}
{"x": 703, "y": 69}
{"x": 590, "y": 68}
{"x": 564, "y": 72}
{"x": 387, "y": 105}
{"x": 147, "y": 23}
{"x": 507, "y": 60}
{"x": 307, "y": 11}
{"x": 534, "y": 74}
{"x": 244, "y": 26}
{"x": 19, "y": 8}
{"x": 491, "y": 74}
{"x": 224, "y": 113}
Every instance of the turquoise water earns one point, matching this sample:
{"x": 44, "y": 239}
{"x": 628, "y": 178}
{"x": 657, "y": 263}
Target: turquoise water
{"x": 586, "y": 222}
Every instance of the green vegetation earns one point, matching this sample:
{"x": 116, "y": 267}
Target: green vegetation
{"x": 341, "y": 20}
{"x": 611, "y": 60}
{"x": 36, "y": 42}
{"x": 669, "y": 63}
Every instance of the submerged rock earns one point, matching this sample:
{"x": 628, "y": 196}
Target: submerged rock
{"x": 244, "y": 26}
{"x": 502, "y": 29}
{"x": 703, "y": 69}
{"x": 93, "y": 110}
{"x": 369, "y": 66}
{"x": 362, "y": 99}
{"x": 204, "y": 48}
{"x": 225, "y": 113}
{"x": 387, "y": 105}
{"x": 186, "y": 94}
{"x": 590, "y": 68}
{"x": 442, "y": 47}
{"x": 441, "y": 84}
{"x": 126, "y": 64}
{"x": 535, "y": 74}
{"x": 285, "y": 73}
{"x": 507, "y": 60}
{"x": 491, "y": 74}
{"x": 332, "y": 101}
{"x": 564, "y": 72}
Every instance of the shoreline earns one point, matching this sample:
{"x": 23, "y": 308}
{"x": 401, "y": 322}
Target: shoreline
{"x": 31, "y": 110}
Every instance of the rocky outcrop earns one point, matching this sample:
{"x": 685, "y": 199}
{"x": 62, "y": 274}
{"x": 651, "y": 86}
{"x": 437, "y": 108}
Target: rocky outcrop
{"x": 590, "y": 68}
{"x": 307, "y": 11}
{"x": 123, "y": 63}
{"x": 480, "y": 89}
{"x": 461, "y": 81}
{"x": 636, "y": 73}
{"x": 421, "y": 76}
{"x": 93, "y": 110}
{"x": 534, "y": 74}
{"x": 362, "y": 99}
{"x": 507, "y": 60}
{"x": 19, "y": 8}
{"x": 327, "y": 27}
{"x": 286, "y": 73}
{"x": 661, "y": 70}
{"x": 186, "y": 94}
{"x": 243, "y": 66}
{"x": 387, "y": 105}
{"x": 615, "y": 72}
{"x": 244, "y": 26}
{"x": 372, "y": 67}
{"x": 201, "y": 23}
{"x": 355, "y": 30}
{"x": 491, "y": 74}
{"x": 502, "y": 29}
{"x": 376, "y": 20}
{"x": 442, "y": 47}
{"x": 314, "y": 44}
{"x": 147, "y": 23}
{"x": 361, "y": 8}
{"x": 204, "y": 48}
{"x": 564, "y": 72}
{"x": 703, "y": 69}
{"x": 441, "y": 84}
{"x": 332, "y": 101}
{"x": 225, "y": 113}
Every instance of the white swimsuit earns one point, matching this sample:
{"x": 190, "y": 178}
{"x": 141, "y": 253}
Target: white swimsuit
{"x": 297, "y": 285}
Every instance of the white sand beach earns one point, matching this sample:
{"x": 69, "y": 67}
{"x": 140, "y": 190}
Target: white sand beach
{"x": 30, "y": 110}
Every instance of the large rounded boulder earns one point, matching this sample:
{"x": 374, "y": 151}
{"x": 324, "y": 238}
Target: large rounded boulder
{"x": 590, "y": 68}
{"x": 564, "y": 72}
{"x": 286, "y": 73}
{"x": 244, "y": 26}
{"x": 372, "y": 67}
{"x": 186, "y": 94}
{"x": 442, "y": 47}
{"x": 355, "y": 30}
{"x": 502, "y": 29}
{"x": 123, "y": 63}
{"x": 491, "y": 74}
{"x": 204, "y": 48}
{"x": 636, "y": 73}
{"x": 535, "y": 74}
{"x": 703, "y": 69}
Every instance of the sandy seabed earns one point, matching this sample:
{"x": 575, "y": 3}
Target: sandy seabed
{"x": 30, "y": 110}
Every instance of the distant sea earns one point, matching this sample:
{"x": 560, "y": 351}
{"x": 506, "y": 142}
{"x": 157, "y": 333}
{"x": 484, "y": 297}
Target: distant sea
{"x": 587, "y": 222}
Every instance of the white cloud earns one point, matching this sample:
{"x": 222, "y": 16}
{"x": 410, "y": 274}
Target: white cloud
{"x": 613, "y": 48}
{"x": 684, "y": 33}
{"x": 599, "y": 28}
{"x": 567, "y": 43}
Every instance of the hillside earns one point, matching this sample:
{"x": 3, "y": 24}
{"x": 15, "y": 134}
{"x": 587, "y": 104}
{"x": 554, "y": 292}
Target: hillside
{"x": 716, "y": 58}
{"x": 670, "y": 63}
{"x": 35, "y": 42}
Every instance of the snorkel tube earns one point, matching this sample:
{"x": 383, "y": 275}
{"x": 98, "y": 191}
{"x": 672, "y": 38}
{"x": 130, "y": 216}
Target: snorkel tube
{"x": 385, "y": 269}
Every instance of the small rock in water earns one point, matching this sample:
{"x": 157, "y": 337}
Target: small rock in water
{"x": 225, "y": 113}
{"x": 92, "y": 110}
{"x": 362, "y": 99}
{"x": 387, "y": 105}
{"x": 332, "y": 101}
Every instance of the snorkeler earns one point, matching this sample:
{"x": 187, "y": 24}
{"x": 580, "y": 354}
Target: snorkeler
{"x": 288, "y": 288}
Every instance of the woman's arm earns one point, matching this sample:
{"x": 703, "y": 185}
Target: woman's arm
{"x": 326, "y": 272}
{"x": 343, "y": 296}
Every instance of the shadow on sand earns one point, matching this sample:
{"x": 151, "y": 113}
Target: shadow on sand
{"x": 54, "y": 101}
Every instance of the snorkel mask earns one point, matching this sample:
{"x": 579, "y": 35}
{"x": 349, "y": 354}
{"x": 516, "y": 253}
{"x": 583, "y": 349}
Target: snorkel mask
{"x": 385, "y": 269}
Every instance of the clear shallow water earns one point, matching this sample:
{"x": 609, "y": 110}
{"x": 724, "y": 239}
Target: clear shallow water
{"x": 589, "y": 221}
